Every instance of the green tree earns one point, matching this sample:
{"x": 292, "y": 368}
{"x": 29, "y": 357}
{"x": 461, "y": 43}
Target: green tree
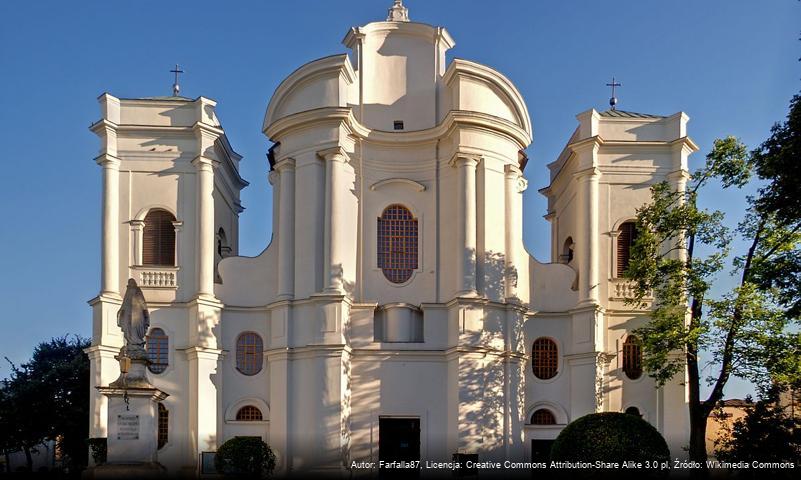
{"x": 745, "y": 330}
{"x": 47, "y": 398}
{"x": 766, "y": 434}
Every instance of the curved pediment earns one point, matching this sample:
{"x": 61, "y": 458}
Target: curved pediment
{"x": 318, "y": 84}
{"x": 404, "y": 182}
{"x": 478, "y": 88}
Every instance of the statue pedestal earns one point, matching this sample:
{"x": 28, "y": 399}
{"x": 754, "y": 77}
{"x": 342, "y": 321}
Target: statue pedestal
{"x": 132, "y": 448}
{"x": 132, "y": 427}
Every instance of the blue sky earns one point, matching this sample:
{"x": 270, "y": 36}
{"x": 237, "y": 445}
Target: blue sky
{"x": 730, "y": 64}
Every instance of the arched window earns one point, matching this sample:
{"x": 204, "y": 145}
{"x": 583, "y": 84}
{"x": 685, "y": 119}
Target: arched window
{"x": 158, "y": 348}
{"x": 223, "y": 250}
{"x": 397, "y": 243}
{"x": 634, "y": 411}
{"x": 627, "y": 234}
{"x": 164, "y": 426}
{"x": 632, "y": 357}
{"x": 543, "y": 416}
{"x": 567, "y": 251}
{"x": 158, "y": 239}
{"x": 249, "y": 353}
{"x": 544, "y": 358}
{"x": 249, "y": 413}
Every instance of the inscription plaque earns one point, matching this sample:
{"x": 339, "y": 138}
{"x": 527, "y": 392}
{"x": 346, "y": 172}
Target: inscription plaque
{"x": 127, "y": 427}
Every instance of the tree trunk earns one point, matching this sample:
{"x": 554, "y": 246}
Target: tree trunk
{"x": 28, "y": 458}
{"x": 698, "y": 411}
{"x": 697, "y": 451}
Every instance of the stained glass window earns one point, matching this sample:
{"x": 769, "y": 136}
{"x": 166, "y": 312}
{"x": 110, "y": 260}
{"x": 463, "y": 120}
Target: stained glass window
{"x": 249, "y": 353}
{"x": 158, "y": 345}
{"x": 397, "y": 243}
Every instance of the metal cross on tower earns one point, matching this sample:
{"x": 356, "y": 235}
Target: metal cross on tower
{"x": 613, "y": 100}
{"x": 176, "y": 89}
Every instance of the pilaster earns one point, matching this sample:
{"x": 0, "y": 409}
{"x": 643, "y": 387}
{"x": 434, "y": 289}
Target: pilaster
{"x": 587, "y": 242}
{"x": 205, "y": 401}
{"x": 286, "y": 229}
{"x": 110, "y": 244}
{"x": 514, "y": 185}
{"x": 205, "y": 225}
{"x": 466, "y": 244}
{"x": 103, "y": 369}
{"x": 333, "y": 267}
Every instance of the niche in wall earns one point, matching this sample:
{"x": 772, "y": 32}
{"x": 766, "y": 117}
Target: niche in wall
{"x": 398, "y": 323}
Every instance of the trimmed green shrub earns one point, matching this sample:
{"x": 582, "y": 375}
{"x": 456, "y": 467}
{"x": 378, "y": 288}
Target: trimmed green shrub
{"x": 245, "y": 456}
{"x": 611, "y": 437}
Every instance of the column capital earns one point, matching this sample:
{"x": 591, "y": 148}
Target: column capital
{"x": 177, "y": 225}
{"x": 287, "y": 163}
{"x": 461, "y": 159}
{"x": 512, "y": 171}
{"x": 108, "y": 161}
{"x": 98, "y": 351}
{"x": 272, "y": 177}
{"x": 137, "y": 224}
{"x": 203, "y": 353}
{"x": 679, "y": 175}
{"x": 592, "y": 173}
{"x": 334, "y": 154}
{"x": 203, "y": 163}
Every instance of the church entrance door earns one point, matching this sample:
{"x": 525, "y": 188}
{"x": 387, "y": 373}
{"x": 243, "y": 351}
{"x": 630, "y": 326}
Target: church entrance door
{"x": 399, "y": 442}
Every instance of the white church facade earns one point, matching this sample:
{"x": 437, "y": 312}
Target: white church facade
{"x": 396, "y": 312}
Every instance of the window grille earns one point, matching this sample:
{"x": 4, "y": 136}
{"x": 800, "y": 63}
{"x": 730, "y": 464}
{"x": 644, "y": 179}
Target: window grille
{"x": 158, "y": 349}
{"x": 164, "y": 426}
{"x": 249, "y": 353}
{"x": 545, "y": 358}
{"x": 543, "y": 417}
{"x": 249, "y": 413}
{"x": 397, "y": 243}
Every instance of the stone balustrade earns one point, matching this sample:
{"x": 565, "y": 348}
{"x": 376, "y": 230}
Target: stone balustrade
{"x": 156, "y": 277}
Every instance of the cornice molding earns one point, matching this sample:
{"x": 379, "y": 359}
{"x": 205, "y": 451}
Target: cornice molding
{"x": 344, "y": 115}
{"x": 416, "y": 29}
